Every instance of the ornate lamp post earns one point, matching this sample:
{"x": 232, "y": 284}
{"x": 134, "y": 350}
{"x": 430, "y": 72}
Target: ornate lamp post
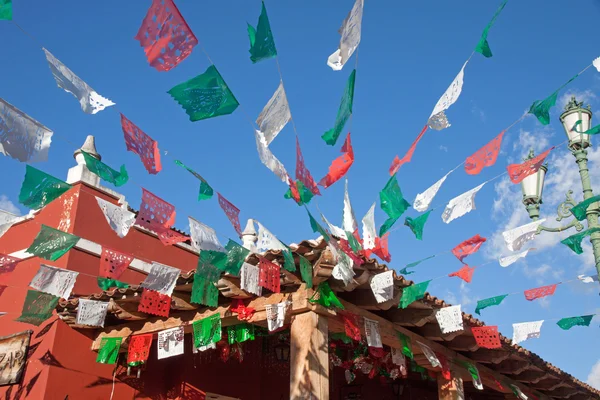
{"x": 575, "y": 119}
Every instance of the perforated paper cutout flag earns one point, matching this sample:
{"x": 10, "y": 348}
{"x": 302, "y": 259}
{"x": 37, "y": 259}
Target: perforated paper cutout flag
{"x": 113, "y": 263}
{"x": 483, "y": 46}
{"x": 206, "y": 191}
{"x": 430, "y": 354}
{"x": 416, "y": 225}
{"x": 107, "y": 283}
{"x": 205, "y": 96}
{"x": 344, "y": 267}
{"x": 537, "y": 293}
{"x": 109, "y": 350}
{"x": 306, "y": 271}
{"x": 37, "y": 308}
{"x": 51, "y": 244}
{"x": 143, "y": 145}
{"x": 170, "y": 342}
{"x": 392, "y": 203}
{"x": 486, "y": 336}
{"x": 335, "y": 230}
{"x": 165, "y": 36}
{"x": 117, "y": 178}
{"x": 6, "y": 10}
{"x": 450, "y": 319}
{"x": 39, "y": 189}
{"x": 574, "y": 241}
{"x": 382, "y": 286}
{"x": 468, "y": 247}
{"x": 158, "y": 216}
{"x": 413, "y": 293}
{"x": 266, "y": 240}
{"x": 484, "y": 157}
{"x": 344, "y": 112}
{"x": 372, "y": 333}
{"x": 204, "y": 291}
{"x": 437, "y": 119}
{"x": 492, "y": 301}
{"x": 509, "y": 260}
{"x": 340, "y": 166}
{"x": 588, "y": 279}
{"x": 350, "y": 32}
{"x": 154, "y": 303}
{"x": 316, "y": 227}
{"x": 275, "y": 115}
{"x": 22, "y": 137}
{"x": 8, "y": 263}
{"x": 268, "y": 158}
{"x": 368, "y": 229}
{"x": 349, "y": 223}
{"x": 161, "y": 279}
{"x": 139, "y": 348}
{"x": 568, "y": 323}
{"x": 515, "y": 238}
{"x": 7, "y": 220}
{"x": 526, "y": 330}
{"x": 580, "y": 210}
{"x": 269, "y": 275}
{"x": 55, "y": 281}
{"x": 232, "y": 212}
{"x": 423, "y": 200}
{"x": 262, "y": 44}
{"x": 326, "y": 297}
{"x": 518, "y": 172}
{"x": 302, "y": 172}
{"x": 119, "y": 219}
{"x": 91, "y": 102}
{"x": 398, "y": 162}
{"x": 465, "y": 273}
{"x": 91, "y": 312}
{"x": 249, "y": 281}
{"x": 204, "y": 237}
{"x": 461, "y": 205}
{"x": 276, "y": 315}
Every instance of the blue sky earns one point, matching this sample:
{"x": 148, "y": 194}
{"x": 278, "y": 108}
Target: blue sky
{"x": 409, "y": 54}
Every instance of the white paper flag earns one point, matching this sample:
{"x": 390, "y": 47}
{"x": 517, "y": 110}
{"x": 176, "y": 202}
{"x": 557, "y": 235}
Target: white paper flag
{"x": 596, "y": 64}
{"x": 526, "y": 330}
{"x": 348, "y": 220}
{"x": 170, "y": 342}
{"x": 508, "y": 260}
{"x": 266, "y": 240}
{"x": 161, "y": 279}
{"x": 350, "y": 31}
{"x": 249, "y": 279}
{"x": 268, "y": 158}
{"x": 344, "y": 268}
{"x": 397, "y": 357}
{"x": 276, "y": 315}
{"x": 518, "y": 391}
{"x": 459, "y": 206}
{"x": 22, "y": 137}
{"x": 588, "y": 279}
{"x": 368, "y": 229}
{"x": 119, "y": 219}
{"x": 6, "y": 221}
{"x": 91, "y": 102}
{"x": 204, "y": 237}
{"x": 450, "y": 319}
{"x": 91, "y": 312}
{"x": 372, "y": 333}
{"x": 335, "y": 231}
{"x": 437, "y": 119}
{"x": 274, "y": 116}
{"x": 423, "y": 200}
{"x": 55, "y": 281}
{"x": 517, "y": 237}
{"x": 382, "y": 286}
{"x": 430, "y": 354}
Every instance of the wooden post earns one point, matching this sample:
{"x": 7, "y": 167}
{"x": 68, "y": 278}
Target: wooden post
{"x": 309, "y": 361}
{"x": 450, "y": 389}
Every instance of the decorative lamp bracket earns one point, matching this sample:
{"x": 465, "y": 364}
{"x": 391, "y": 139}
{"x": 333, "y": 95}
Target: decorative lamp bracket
{"x": 564, "y": 211}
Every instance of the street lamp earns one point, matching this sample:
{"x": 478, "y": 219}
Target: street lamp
{"x": 576, "y": 119}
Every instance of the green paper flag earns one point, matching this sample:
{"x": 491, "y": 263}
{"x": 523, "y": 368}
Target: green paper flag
{"x": 231, "y": 261}
{"x": 262, "y": 45}
{"x": 306, "y": 271}
{"x": 483, "y": 46}
{"x": 206, "y": 191}
{"x": 240, "y": 333}
{"x": 331, "y": 136}
{"x": 204, "y": 291}
{"x": 210, "y": 264}
{"x": 305, "y": 194}
{"x": 340, "y": 336}
{"x": 541, "y": 109}
{"x": 392, "y": 203}
{"x": 236, "y": 255}
{"x": 574, "y": 241}
{"x": 405, "y": 340}
{"x": 326, "y": 297}
{"x": 109, "y": 350}
{"x": 353, "y": 242}
{"x": 492, "y": 301}
{"x": 288, "y": 264}
{"x": 106, "y": 283}
{"x": 316, "y": 227}
{"x": 405, "y": 271}
{"x": 39, "y": 188}
{"x": 207, "y": 330}
{"x": 592, "y": 131}
{"x": 51, "y": 244}
{"x": 205, "y": 96}
{"x": 6, "y": 10}
{"x": 579, "y": 210}
{"x": 117, "y": 178}
{"x": 568, "y": 323}
{"x": 37, "y": 307}
{"x": 416, "y": 225}
{"x": 413, "y": 293}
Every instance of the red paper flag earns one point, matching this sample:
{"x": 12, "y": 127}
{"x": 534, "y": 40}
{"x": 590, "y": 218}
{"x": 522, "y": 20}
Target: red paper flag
{"x": 232, "y": 212}
{"x": 398, "y": 162}
{"x": 465, "y": 273}
{"x": 139, "y": 348}
{"x": 113, "y": 263}
{"x": 158, "y": 216}
{"x": 154, "y": 303}
{"x": 8, "y": 263}
{"x": 484, "y": 157}
{"x": 351, "y": 325}
{"x": 540, "y": 292}
{"x": 294, "y": 190}
{"x": 486, "y": 336}
{"x": 165, "y": 36}
{"x": 142, "y": 145}
{"x": 445, "y": 365}
{"x": 243, "y": 313}
{"x": 340, "y": 165}
{"x": 518, "y": 172}
{"x": 269, "y": 276}
{"x": 468, "y": 247}
{"x": 381, "y": 249}
{"x": 345, "y": 247}
{"x": 303, "y": 174}
{"x": 2, "y": 288}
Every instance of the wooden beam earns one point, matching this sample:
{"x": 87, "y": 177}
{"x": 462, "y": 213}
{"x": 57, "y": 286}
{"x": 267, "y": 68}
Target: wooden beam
{"x": 564, "y": 392}
{"x": 463, "y": 343}
{"x": 364, "y": 298}
{"x": 309, "y": 361}
{"x": 410, "y": 316}
{"x": 488, "y": 356}
{"x": 512, "y": 367}
{"x": 548, "y": 384}
{"x": 450, "y": 389}
{"x": 298, "y": 299}
{"x": 432, "y": 332}
{"x": 532, "y": 376}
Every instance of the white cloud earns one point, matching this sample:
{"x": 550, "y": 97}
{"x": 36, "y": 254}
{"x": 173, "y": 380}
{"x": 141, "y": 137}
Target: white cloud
{"x": 444, "y": 148}
{"x": 587, "y": 96}
{"x": 7, "y": 205}
{"x": 478, "y": 112}
{"x": 593, "y": 378}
